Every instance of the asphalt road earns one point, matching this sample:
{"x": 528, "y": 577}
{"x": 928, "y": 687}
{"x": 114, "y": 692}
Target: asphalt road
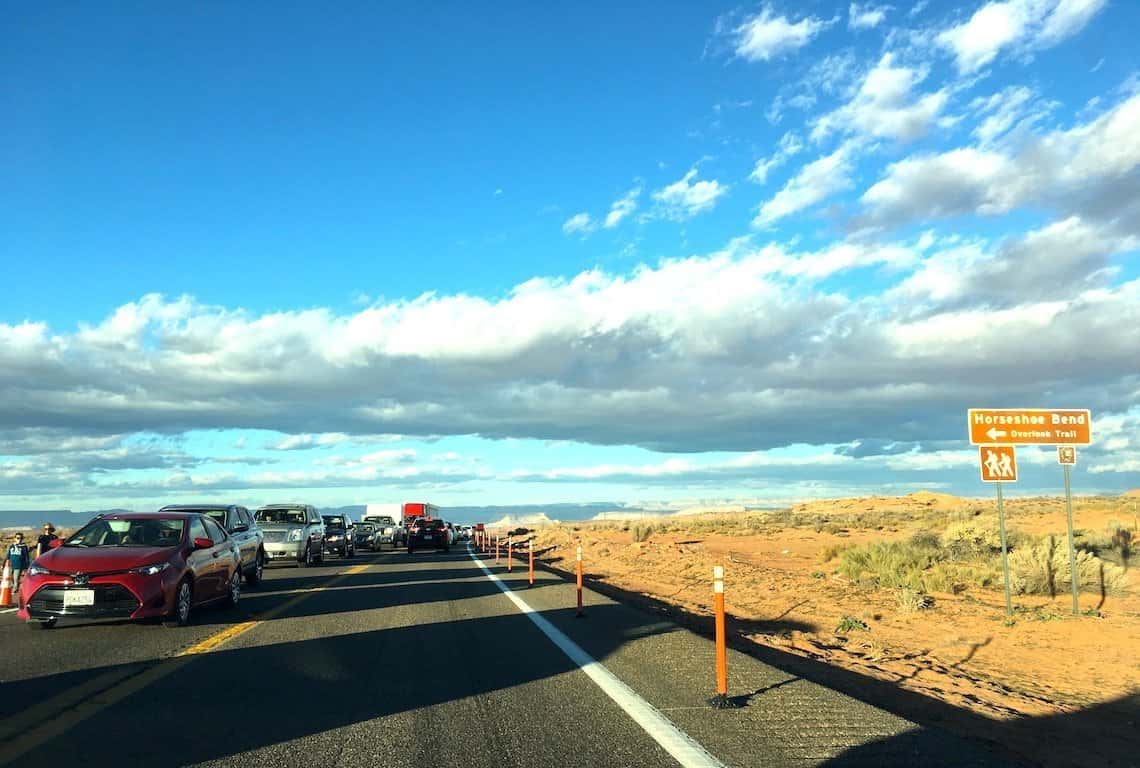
{"x": 421, "y": 660}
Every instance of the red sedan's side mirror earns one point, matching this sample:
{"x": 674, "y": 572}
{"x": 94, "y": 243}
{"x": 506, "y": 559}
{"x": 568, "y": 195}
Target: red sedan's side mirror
{"x": 203, "y": 543}
{"x": 56, "y": 543}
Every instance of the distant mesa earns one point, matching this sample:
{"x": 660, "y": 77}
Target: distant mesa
{"x": 1133, "y": 494}
{"x": 523, "y": 521}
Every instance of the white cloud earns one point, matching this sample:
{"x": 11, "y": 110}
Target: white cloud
{"x": 1022, "y": 25}
{"x": 816, "y": 181}
{"x": 686, "y": 198}
{"x": 790, "y": 145}
{"x": 622, "y": 207}
{"x": 866, "y": 16}
{"x": 1002, "y": 110}
{"x": 1089, "y": 162}
{"x": 884, "y": 106}
{"x": 766, "y": 36}
{"x": 326, "y": 440}
{"x": 578, "y": 223}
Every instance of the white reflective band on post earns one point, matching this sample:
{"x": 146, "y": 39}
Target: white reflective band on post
{"x": 718, "y": 587}
{"x": 718, "y": 571}
{"x": 579, "y": 553}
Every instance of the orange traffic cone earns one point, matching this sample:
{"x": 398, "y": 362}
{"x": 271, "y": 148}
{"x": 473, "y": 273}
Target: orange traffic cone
{"x": 6, "y": 586}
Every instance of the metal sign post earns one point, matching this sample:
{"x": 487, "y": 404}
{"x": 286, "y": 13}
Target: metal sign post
{"x": 1004, "y": 552}
{"x": 1067, "y": 457}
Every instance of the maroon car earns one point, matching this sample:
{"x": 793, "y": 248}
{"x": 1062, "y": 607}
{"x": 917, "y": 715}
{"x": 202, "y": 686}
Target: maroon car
{"x": 134, "y": 566}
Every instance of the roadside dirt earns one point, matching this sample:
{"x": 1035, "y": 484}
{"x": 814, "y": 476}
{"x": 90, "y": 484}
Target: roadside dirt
{"x": 962, "y": 650}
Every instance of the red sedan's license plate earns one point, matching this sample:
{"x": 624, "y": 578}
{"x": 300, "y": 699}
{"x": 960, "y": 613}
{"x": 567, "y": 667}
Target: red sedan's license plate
{"x": 75, "y": 597}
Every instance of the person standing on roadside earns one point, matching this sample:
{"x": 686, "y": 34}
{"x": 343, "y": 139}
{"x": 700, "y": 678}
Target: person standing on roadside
{"x": 43, "y": 544}
{"x": 19, "y": 559}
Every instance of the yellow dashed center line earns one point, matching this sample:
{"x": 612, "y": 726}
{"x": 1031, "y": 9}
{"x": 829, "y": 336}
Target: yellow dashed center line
{"x": 53, "y": 717}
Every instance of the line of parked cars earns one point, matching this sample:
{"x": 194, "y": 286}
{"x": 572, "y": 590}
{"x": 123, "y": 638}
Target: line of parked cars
{"x": 165, "y": 564}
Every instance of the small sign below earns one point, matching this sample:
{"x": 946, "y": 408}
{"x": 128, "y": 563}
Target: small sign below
{"x": 1066, "y": 454}
{"x": 999, "y": 463}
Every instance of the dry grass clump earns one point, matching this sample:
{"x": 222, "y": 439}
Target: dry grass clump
{"x": 971, "y": 538}
{"x": 1042, "y": 567}
{"x": 913, "y": 600}
{"x": 921, "y": 564}
{"x": 641, "y": 532}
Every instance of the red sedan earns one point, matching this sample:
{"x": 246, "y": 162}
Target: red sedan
{"x": 134, "y": 566}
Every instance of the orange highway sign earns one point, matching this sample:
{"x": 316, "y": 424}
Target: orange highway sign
{"x": 999, "y": 463}
{"x": 1029, "y": 426}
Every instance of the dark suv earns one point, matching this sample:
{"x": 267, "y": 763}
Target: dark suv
{"x": 242, "y": 528}
{"x": 340, "y": 535}
{"x": 428, "y": 533}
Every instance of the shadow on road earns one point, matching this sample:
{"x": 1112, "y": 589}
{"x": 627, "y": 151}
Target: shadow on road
{"x": 252, "y": 697}
{"x": 1102, "y": 735}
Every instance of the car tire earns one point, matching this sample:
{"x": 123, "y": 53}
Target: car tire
{"x": 411, "y": 549}
{"x": 447, "y": 550}
{"x": 257, "y": 573}
{"x": 350, "y": 552}
{"x": 307, "y": 560}
{"x": 234, "y": 592}
{"x": 182, "y": 605}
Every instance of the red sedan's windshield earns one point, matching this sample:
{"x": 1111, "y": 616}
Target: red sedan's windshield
{"x": 129, "y": 533}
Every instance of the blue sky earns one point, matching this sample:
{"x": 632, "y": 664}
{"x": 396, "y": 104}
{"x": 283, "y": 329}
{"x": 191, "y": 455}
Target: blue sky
{"x": 658, "y": 253}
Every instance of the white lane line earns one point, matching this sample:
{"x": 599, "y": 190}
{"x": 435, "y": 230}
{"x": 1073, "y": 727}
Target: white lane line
{"x": 672, "y": 739}
{"x": 9, "y": 610}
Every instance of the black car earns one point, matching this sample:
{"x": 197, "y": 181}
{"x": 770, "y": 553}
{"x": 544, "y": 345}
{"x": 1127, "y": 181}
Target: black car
{"x": 429, "y": 533}
{"x": 237, "y": 521}
{"x": 340, "y": 535}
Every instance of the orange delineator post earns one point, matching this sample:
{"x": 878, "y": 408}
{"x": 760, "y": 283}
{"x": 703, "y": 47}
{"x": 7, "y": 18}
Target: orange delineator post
{"x": 530, "y": 547}
{"x": 579, "y": 582}
{"x": 510, "y": 553}
{"x": 6, "y": 585}
{"x": 721, "y": 698}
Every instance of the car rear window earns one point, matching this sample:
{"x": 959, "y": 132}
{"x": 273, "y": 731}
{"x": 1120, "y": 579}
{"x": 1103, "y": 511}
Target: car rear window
{"x": 219, "y": 515}
{"x": 335, "y": 521}
{"x": 281, "y": 516}
{"x": 364, "y": 527}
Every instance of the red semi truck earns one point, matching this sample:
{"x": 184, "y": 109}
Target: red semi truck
{"x": 419, "y": 509}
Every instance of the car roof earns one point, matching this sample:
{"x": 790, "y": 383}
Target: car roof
{"x": 298, "y": 505}
{"x": 195, "y": 507}
{"x": 160, "y": 515}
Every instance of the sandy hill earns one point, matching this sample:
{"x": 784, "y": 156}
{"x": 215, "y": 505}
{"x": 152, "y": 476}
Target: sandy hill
{"x": 912, "y": 501}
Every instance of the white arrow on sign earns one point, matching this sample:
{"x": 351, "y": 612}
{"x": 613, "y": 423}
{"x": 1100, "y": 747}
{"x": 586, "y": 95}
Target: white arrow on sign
{"x": 994, "y": 434}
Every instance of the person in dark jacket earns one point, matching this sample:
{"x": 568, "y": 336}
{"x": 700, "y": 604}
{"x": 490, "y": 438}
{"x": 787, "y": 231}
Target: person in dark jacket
{"x": 43, "y": 543}
{"x": 19, "y": 558}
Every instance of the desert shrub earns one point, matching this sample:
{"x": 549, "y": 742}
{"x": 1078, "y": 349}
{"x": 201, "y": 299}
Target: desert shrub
{"x": 913, "y": 600}
{"x": 970, "y": 538}
{"x": 925, "y": 539}
{"x": 850, "y": 624}
{"x": 890, "y": 564}
{"x": 956, "y": 577}
{"x": 1042, "y": 568}
{"x": 830, "y": 552}
{"x": 641, "y": 531}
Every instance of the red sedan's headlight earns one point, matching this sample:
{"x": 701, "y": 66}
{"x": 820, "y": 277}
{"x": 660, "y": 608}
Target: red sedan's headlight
{"x": 150, "y": 570}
